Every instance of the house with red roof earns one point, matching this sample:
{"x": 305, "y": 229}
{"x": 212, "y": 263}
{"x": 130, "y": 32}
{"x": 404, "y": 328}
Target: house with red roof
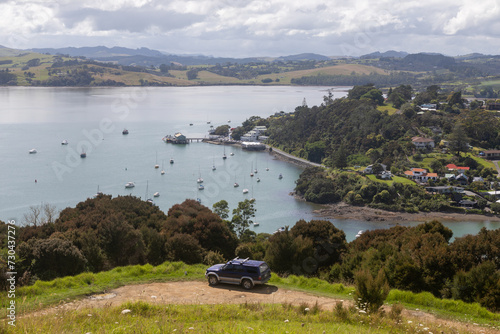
{"x": 453, "y": 167}
{"x": 420, "y": 175}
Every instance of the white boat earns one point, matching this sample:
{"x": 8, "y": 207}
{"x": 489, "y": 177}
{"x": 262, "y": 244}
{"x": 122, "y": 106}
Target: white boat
{"x": 32, "y": 151}
{"x": 200, "y": 180}
{"x": 64, "y": 142}
{"x": 267, "y": 169}
{"x": 360, "y": 232}
{"x": 231, "y": 154}
{"x": 258, "y": 179}
{"x": 245, "y": 191}
{"x": 129, "y": 185}
{"x": 224, "y": 156}
{"x": 162, "y": 169}
{"x": 281, "y": 229}
{"x": 256, "y": 224}
{"x": 156, "y": 194}
{"x": 236, "y": 185}
{"x": 156, "y": 165}
{"x": 125, "y": 132}
{"x": 229, "y": 121}
{"x": 201, "y": 187}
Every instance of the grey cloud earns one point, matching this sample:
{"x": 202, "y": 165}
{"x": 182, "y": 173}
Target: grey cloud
{"x": 130, "y": 19}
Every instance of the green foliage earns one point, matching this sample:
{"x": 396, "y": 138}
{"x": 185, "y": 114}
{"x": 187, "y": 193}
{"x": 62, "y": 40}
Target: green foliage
{"x": 370, "y": 292}
{"x": 242, "y": 216}
{"x": 54, "y": 257}
{"x": 213, "y": 258}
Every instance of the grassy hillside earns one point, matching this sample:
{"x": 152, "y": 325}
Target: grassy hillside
{"x": 28, "y": 74}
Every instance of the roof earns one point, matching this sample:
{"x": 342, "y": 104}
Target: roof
{"x": 418, "y": 170}
{"x": 492, "y": 152}
{"x": 421, "y": 140}
{"x": 409, "y": 172}
{"x": 451, "y": 166}
{"x": 432, "y": 174}
{"x": 463, "y": 168}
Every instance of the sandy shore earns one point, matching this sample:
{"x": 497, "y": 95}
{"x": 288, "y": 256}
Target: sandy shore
{"x": 346, "y": 211}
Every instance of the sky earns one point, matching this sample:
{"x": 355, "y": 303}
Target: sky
{"x": 256, "y": 28}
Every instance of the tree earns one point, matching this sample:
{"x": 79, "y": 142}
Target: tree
{"x": 315, "y": 151}
{"x": 222, "y": 130}
{"x": 370, "y": 292}
{"x": 242, "y": 216}
{"x": 458, "y": 141}
{"x": 221, "y": 208}
{"x": 340, "y": 157}
{"x": 55, "y": 257}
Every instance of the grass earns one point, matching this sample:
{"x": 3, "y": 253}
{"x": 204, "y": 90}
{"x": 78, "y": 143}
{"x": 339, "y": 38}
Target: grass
{"x": 242, "y": 318}
{"x": 389, "y": 108}
{"x": 43, "y": 293}
{"x": 399, "y": 179}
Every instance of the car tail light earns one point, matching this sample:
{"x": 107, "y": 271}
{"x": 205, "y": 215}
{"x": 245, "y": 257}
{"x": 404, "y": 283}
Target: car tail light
{"x": 260, "y": 277}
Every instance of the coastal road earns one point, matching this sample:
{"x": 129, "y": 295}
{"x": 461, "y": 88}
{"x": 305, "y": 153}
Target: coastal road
{"x": 292, "y": 158}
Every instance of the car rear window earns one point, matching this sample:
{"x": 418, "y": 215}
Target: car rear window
{"x": 263, "y": 267}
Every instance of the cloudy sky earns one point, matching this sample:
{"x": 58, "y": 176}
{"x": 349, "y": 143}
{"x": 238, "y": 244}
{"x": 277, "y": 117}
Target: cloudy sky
{"x": 240, "y": 28}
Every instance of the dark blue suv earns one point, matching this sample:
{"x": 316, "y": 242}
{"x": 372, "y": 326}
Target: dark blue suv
{"x": 243, "y": 272}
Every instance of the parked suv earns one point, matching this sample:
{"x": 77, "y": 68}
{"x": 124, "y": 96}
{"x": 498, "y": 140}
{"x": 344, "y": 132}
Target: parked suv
{"x": 243, "y": 272}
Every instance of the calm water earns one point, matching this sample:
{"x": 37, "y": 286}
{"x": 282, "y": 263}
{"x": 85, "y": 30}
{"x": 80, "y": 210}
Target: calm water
{"x": 92, "y": 119}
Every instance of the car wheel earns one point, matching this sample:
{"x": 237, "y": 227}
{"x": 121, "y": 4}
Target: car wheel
{"x": 247, "y": 284}
{"x": 212, "y": 280}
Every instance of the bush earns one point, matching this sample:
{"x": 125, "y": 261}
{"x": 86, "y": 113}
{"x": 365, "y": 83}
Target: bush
{"x": 370, "y": 292}
{"x": 213, "y": 258}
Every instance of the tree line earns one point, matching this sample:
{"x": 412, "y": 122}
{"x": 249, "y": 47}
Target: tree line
{"x": 104, "y": 232}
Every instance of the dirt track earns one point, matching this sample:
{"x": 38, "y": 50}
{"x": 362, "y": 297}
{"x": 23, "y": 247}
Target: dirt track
{"x": 195, "y": 292}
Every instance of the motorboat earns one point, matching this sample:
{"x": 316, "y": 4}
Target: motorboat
{"x": 201, "y": 187}
{"x": 213, "y": 167}
{"x": 156, "y": 194}
{"x": 256, "y": 224}
{"x": 245, "y": 191}
{"x": 162, "y": 172}
{"x": 125, "y": 132}
{"x": 32, "y": 151}
{"x": 258, "y": 179}
{"x": 231, "y": 154}
{"x": 129, "y": 185}
{"x": 360, "y": 232}
{"x": 83, "y": 155}
{"x": 171, "y": 160}
{"x": 64, "y": 142}
{"x": 200, "y": 180}
{"x": 280, "y": 176}
{"x": 190, "y": 124}
{"x": 236, "y": 185}
{"x": 281, "y": 229}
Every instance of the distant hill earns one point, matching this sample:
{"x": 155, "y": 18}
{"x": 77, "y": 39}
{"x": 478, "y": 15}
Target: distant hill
{"x": 428, "y": 61}
{"x": 8, "y": 52}
{"x": 387, "y": 54}
{"x": 303, "y": 56}
{"x": 100, "y": 52}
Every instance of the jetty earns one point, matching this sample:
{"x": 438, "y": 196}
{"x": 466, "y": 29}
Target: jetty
{"x": 179, "y": 138}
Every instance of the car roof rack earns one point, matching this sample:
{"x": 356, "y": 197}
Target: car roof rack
{"x": 245, "y": 260}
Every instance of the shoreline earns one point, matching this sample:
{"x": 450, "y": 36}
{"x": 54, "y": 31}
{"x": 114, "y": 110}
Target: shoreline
{"x": 345, "y": 211}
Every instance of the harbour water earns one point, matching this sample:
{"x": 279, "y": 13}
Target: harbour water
{"x": 92, "y": 120}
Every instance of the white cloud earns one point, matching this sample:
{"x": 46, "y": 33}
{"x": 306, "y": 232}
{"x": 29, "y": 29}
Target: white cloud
{"x": 255, "y": 27}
